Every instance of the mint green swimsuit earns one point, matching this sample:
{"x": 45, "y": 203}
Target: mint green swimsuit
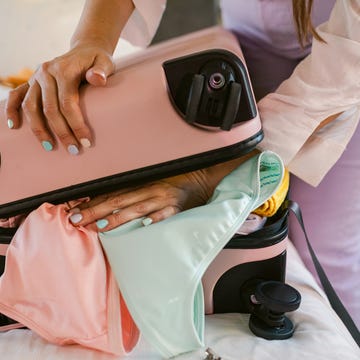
{"x": 159, "y": 267}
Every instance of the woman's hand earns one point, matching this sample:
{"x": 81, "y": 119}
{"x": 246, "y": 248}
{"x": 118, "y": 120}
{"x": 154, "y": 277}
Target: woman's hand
{"x": 50, "y": 100}
{"x": 155, "y": 201}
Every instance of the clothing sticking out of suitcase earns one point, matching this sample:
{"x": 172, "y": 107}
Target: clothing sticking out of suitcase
{"x": 178, "y": 106}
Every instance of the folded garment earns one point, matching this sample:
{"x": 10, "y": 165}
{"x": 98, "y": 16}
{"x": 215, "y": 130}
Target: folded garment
{"x": 159, "y": 267}
{"x": 252, "y": 223}
{"x": 271, "y": 205}
{"x": 58, "y": 283}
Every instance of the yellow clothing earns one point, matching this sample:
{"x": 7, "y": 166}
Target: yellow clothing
{"x": 270, "y": 206}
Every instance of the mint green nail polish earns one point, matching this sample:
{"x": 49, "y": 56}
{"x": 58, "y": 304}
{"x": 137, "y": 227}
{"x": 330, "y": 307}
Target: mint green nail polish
{"x": 147, "y": 221}
{"x": 47, "y": 145}
{"x": 102, "y": 223}
{"x": 10, "y": 124}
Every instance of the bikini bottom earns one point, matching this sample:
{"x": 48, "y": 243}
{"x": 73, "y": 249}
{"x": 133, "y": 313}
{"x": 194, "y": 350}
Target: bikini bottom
{"x": 159, "y": 267}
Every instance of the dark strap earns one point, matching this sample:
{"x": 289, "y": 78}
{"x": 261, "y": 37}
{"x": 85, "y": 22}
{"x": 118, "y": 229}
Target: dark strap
{"x": 334, "y": 300}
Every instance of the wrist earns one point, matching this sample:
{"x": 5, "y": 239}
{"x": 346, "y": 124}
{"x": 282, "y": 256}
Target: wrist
{"x": 92, "y": 42}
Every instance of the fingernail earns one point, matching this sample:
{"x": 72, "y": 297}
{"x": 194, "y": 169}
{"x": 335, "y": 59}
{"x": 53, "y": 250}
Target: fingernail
{"x": 85, "y": 142}
{"x": 100, "y": 73}
{"x": 116, "y": 211}
{"x": 75, "y": 218}
{"x": 102, "y": 223}
{"x": 147, "y": 221}
{"x": 73, "y": 149}
{"x": 47, "y": 145}
{"x": 10, "y": 124}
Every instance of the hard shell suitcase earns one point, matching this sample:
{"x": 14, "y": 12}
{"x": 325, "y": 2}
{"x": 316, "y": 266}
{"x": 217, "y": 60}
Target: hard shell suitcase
{"x": 177, "y": 106}
{"x": 248, "y": 276}
{"x": 258, "y": 256}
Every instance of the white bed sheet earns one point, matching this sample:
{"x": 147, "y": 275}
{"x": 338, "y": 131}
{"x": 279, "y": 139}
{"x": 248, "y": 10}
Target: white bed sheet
{"x": 319, "y": 334}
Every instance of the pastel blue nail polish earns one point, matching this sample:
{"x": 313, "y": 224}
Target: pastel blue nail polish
{"x": 147, "y": 221}
{"x": 47, "y": 145}
{"x": 75, "y": 218}
{"x": 101, "y": 224}
{"x": 10, "y": 124}
{"x": 73, "y": 149}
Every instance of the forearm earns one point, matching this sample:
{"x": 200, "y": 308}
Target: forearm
{"x": 101, "y": 23}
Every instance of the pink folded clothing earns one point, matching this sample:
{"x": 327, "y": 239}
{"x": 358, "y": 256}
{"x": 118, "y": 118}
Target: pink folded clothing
{"x": 58, "y": 283}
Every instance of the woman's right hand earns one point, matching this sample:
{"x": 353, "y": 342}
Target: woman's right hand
{"x": 49, "y": 102}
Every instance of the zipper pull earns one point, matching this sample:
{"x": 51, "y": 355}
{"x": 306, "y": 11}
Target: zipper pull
{"x": 211, "y": 355}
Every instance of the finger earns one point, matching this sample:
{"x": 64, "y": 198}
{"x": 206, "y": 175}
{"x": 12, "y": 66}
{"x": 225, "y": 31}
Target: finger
{"x": 141, "y": 210}
{"x": 103, "y": 67}
{"x": 101, "y": 198}
{"x": 125, "y": 206}
{"x": 120, "y": 215}
{"x": 13, "y": 105}
{"x": 118, "y": 218}
{"x": 31, "y": 107}
{"x": 96, "y": 77}
{"x": 106, "y": 217}
{"x": 52, "y": 112}
{"x": 160, "y": 215}
{"x": 70, "y": 108}
{"x": 120, "y": 199}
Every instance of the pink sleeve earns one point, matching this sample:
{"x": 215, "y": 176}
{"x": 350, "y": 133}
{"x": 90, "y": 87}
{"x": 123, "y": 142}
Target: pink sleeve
{"x": 144, "y": 21}
{"x": 324, "y": 84}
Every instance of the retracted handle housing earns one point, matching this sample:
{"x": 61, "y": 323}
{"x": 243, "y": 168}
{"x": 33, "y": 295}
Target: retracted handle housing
{"x": 211, "y": 89}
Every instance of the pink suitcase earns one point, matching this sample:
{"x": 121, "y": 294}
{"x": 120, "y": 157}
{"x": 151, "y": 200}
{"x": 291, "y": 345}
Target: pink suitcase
{"x": 248, "y": 276}
{"x": 178, "y": 106}
{"x": 184, "y": 104}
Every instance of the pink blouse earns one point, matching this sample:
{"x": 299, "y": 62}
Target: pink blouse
{"x": 318, "y": 88}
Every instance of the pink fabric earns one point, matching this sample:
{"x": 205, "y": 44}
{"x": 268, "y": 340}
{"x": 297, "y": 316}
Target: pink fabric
{"x": 58, "y": 283}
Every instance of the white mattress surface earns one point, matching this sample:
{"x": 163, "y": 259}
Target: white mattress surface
{"x": 319, "y": 334}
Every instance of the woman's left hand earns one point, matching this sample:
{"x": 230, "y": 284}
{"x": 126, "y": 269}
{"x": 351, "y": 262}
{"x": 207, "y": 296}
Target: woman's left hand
{"x": 154, "y": 201}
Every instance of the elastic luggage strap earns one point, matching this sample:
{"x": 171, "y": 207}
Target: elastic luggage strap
{"x": 334, "y": 299}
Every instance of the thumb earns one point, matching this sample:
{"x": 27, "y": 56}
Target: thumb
{"x": 99, "y": 72}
